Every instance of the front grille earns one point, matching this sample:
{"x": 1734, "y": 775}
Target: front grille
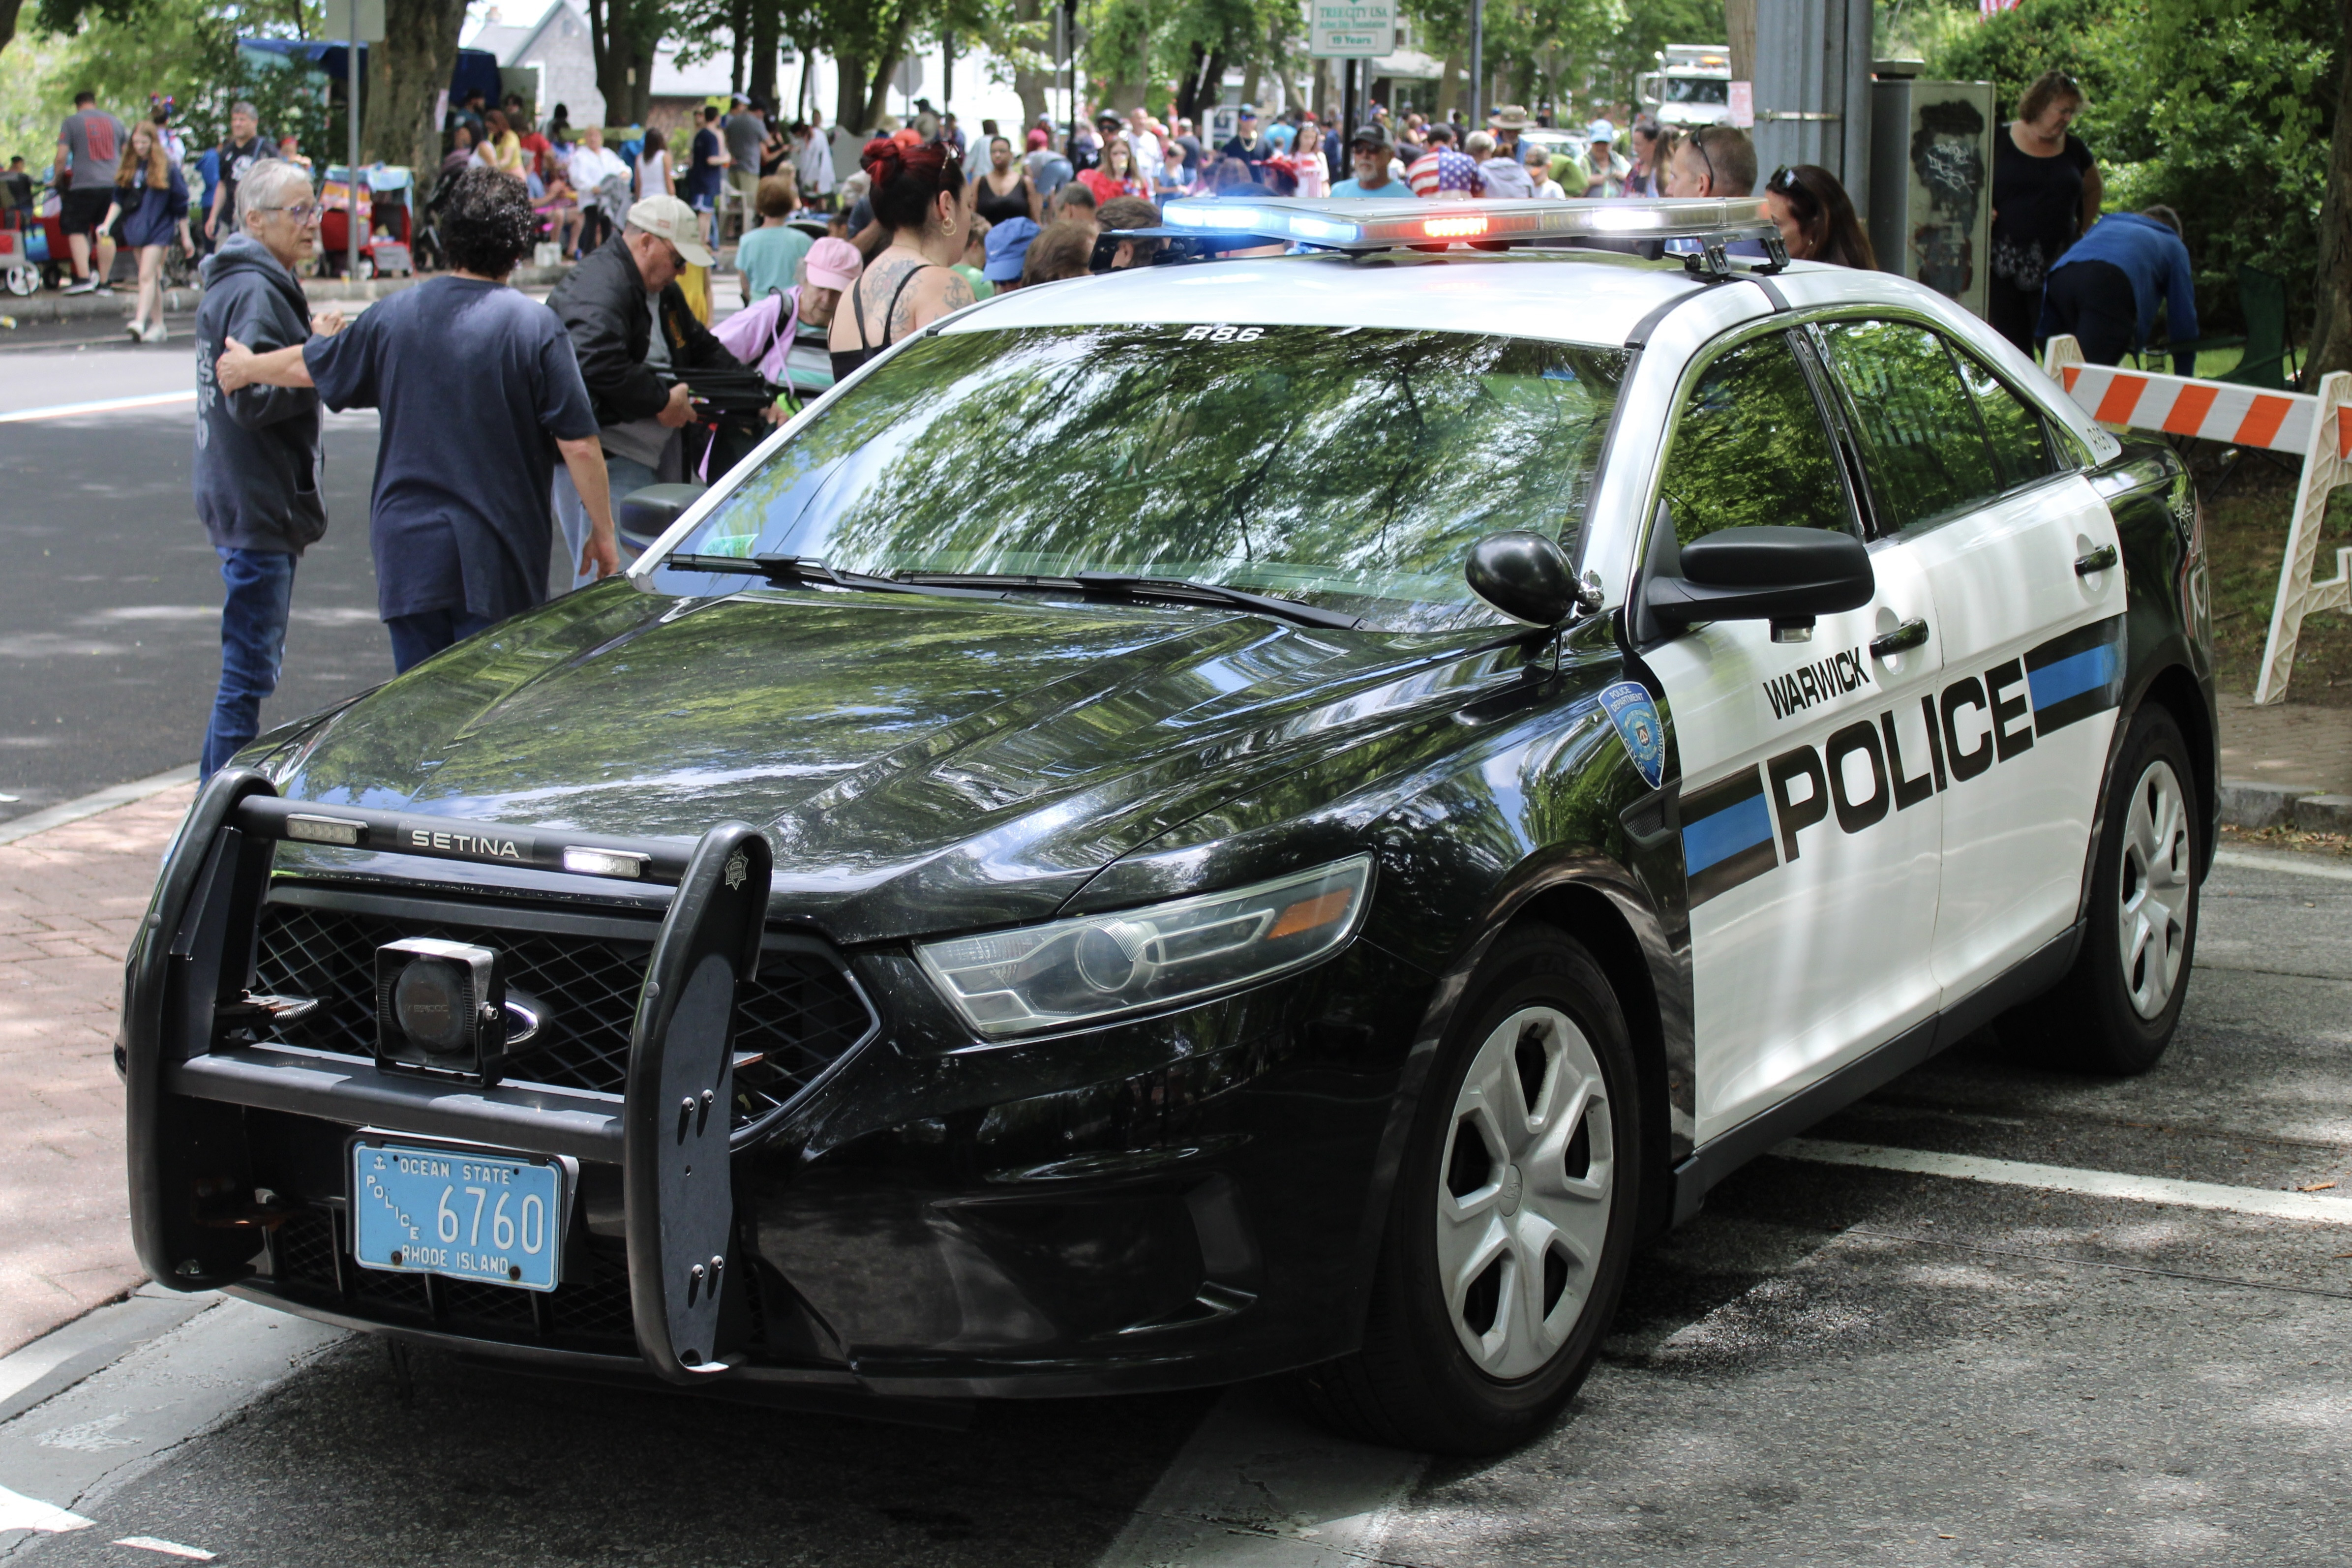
{"x": 591, "y": 1314}
{"x": 792, "y": 1019}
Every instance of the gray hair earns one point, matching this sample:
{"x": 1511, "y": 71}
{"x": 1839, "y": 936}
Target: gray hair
{"x": 245, "y": 107}
{"x": 268, "y": 185}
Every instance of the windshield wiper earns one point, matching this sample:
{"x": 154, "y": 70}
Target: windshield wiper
{"x": 1120, "y": 585}
{"x": 791, "y": 570}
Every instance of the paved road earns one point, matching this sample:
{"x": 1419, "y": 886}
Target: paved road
{"x": 1833, "y": 1364}
{"x": 109, "y": 618}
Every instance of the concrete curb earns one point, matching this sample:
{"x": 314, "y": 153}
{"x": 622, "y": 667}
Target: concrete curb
{"x": 2324, "y": 814}
{"x": 41, "y": 1369}
{"x": 90, "y": 804}
{"x": 115, "y": 306}
{"x": 2254, "y": 804}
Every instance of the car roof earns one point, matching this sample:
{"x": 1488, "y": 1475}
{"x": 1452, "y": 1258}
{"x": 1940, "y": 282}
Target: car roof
{"x": 1580, "y": 296}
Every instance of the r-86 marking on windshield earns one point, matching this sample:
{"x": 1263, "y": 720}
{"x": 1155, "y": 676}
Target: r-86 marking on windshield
{"x": 1223, "y": 334}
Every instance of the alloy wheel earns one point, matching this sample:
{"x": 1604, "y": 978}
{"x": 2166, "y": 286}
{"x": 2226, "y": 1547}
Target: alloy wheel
{"x": 1525, "y": 1192}
{"x": 2154, "y": 889}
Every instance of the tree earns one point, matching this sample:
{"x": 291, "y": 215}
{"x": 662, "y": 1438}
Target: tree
{"x": 187, "y": 50}
{"x": 8, "y": 9}
{"x": 407, "y": 72}
{"x": 621, "y": 36}
{"x": 2225, "y": 110}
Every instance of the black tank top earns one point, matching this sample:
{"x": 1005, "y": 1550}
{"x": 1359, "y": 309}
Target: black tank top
{"x": 996, "y": 210}
{"x": 847, "y": 360}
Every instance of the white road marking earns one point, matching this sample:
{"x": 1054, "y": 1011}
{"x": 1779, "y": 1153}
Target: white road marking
{"x": 18, "y": 1511}
{"x": 2066, "y": 1179}
{"x": 102, "y": 406}
{"x": 1256, "y": 1486}
{"x": 2293, "y": 864}
{"x": 168, "y": 1548}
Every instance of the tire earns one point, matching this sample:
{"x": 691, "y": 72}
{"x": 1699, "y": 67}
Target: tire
{"x": 2116, "y": 1011}
{"x": 1502, "y": 1267}
{"x": 24, "y": 282}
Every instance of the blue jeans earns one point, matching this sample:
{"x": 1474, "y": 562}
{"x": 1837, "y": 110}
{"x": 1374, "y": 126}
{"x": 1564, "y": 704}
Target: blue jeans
{"x": 624, "y": 476}
{"x": 260, "y": 584}
{"x": 417, "y": 638}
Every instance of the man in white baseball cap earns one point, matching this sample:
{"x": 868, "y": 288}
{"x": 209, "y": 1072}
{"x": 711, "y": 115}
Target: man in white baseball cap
{"x": 633, "y": 333}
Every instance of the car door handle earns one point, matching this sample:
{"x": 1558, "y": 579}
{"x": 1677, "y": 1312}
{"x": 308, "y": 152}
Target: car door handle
{"x": 1911, "y": 634}
{"x": 2098, "y": 560}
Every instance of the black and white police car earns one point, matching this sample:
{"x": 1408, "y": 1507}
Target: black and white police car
{"x": 1266, "y": 815}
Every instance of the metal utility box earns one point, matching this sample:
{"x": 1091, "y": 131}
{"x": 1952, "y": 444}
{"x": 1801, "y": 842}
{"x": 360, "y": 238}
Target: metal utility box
{"x": 1930, "y": 208}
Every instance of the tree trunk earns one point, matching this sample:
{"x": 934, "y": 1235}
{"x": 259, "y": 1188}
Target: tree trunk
{"x": 2331, "y": 330}
{"x": 878, "y": 101}
{"x": 764, "y": 30}
{"x": 1449, "y": 86}
{"x": 622, "y": 35}
{"x": 1203, "y": 83}
{"x": 738, "y": 23}
{"x": 8, "y": 9}
{"x": 1740, "y": 32}
{"x": 407, "y": 73}
{"x": 849, "y": 93}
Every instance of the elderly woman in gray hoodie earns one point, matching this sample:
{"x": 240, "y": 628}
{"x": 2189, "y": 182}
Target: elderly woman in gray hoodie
{"x": 257, "y": 448}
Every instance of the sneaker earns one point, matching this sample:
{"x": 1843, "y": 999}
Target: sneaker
{"x": 156, "y": 333}
{"x": 138, "y": 333}
{"x": 81, "y": 286}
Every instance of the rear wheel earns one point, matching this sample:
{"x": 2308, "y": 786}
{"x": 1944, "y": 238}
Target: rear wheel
{"x": 1513, "y": 1223}
{"x": 2116, "y": 1009}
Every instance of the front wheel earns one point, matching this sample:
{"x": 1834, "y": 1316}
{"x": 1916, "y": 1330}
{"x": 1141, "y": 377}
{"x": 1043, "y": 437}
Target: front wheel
{"x": 2118, "y": 1007}
{"x": 1511, "y": 1233}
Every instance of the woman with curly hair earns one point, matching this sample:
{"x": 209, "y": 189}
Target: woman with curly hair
{"x": 479, "y": 391}
{"x": 920, "y": 198}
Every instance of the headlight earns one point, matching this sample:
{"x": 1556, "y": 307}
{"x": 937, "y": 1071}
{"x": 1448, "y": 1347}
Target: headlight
{"x": 1098, "y": 966}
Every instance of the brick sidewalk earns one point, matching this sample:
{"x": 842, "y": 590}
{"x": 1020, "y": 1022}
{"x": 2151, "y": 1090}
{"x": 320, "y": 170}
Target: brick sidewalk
{"x": 69, "y": 900}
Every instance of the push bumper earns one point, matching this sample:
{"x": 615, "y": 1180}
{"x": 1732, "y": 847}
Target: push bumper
{"x": 197, "y": 1221}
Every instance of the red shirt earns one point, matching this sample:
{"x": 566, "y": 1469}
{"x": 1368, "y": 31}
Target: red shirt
{"x": 1108, "y": 189}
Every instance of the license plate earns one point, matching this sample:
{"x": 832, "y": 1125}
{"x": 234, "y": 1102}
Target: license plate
{"x": 463, "y": 1213}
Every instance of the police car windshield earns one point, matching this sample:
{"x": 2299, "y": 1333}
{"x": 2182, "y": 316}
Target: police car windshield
{"x": 1348, "y": 468}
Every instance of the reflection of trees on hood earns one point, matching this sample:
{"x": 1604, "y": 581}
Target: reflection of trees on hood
{"x": 1305, "y": 452}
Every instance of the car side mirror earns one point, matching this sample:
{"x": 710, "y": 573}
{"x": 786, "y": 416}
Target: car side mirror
{"x": 642, "y": 515}
{"x": 1525, "y": 575}
{"x": 1785, "y": 575}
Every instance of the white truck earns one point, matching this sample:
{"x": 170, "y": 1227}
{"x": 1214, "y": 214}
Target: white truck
{"x": 1692, "y": 85}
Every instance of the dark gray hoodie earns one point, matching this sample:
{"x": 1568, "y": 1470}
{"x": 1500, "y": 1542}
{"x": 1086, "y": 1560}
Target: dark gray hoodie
{"x": 257, "y": 451}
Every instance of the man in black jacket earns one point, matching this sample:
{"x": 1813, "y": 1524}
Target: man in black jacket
{"x": 610, "y": 304}
{"x": 257, "y": 448}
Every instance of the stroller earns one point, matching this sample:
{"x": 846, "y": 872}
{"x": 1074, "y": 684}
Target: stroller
{"x": 425, "y": 247}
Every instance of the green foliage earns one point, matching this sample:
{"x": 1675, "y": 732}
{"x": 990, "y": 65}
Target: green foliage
{"x": 1580, "y": 55}
{"x": 2217, "y": 109}
{"x": 185, "y": 50}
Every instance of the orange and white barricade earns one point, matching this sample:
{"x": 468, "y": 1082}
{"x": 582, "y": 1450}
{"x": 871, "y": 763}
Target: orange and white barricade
{"x": 2318, "y": 427}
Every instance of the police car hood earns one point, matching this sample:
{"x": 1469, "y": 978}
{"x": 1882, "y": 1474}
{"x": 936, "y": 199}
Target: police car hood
{"x": 919, "y": 764}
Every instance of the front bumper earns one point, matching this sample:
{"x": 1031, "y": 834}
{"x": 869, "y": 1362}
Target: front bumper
{"x": 1167, "y": 1203}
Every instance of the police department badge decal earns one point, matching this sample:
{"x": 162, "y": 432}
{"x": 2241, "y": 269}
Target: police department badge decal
{"x": 1636, "y": 717}
{"x": 736, "y": 869}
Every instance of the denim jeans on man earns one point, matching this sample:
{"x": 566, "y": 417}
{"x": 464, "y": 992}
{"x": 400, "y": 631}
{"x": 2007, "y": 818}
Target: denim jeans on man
{"x": 260, "y": 584}
{"x": 624, "y": 475}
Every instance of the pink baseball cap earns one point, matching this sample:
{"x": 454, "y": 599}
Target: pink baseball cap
{"x": 834, "y": 263}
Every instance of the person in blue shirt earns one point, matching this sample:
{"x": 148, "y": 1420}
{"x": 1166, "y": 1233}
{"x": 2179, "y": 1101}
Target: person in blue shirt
{"x": 2104, "y": 292}
{"x": 1370, "y": 152}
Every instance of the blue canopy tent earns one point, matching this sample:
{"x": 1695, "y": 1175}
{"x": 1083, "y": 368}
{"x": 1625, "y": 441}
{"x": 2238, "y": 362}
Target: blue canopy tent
{"x": 477, "y": 70}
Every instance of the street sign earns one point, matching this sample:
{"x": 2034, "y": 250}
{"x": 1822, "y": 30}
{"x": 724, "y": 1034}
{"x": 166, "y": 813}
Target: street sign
{"x": 347, "y": 20}
{"x": 1350, "y": 30}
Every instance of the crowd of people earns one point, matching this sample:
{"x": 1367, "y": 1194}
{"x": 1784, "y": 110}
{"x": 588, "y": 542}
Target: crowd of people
{"x": 586, "y": 396}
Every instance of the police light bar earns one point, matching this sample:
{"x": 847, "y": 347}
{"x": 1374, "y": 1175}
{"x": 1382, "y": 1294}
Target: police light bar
{"x": 1361, "y": 225}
